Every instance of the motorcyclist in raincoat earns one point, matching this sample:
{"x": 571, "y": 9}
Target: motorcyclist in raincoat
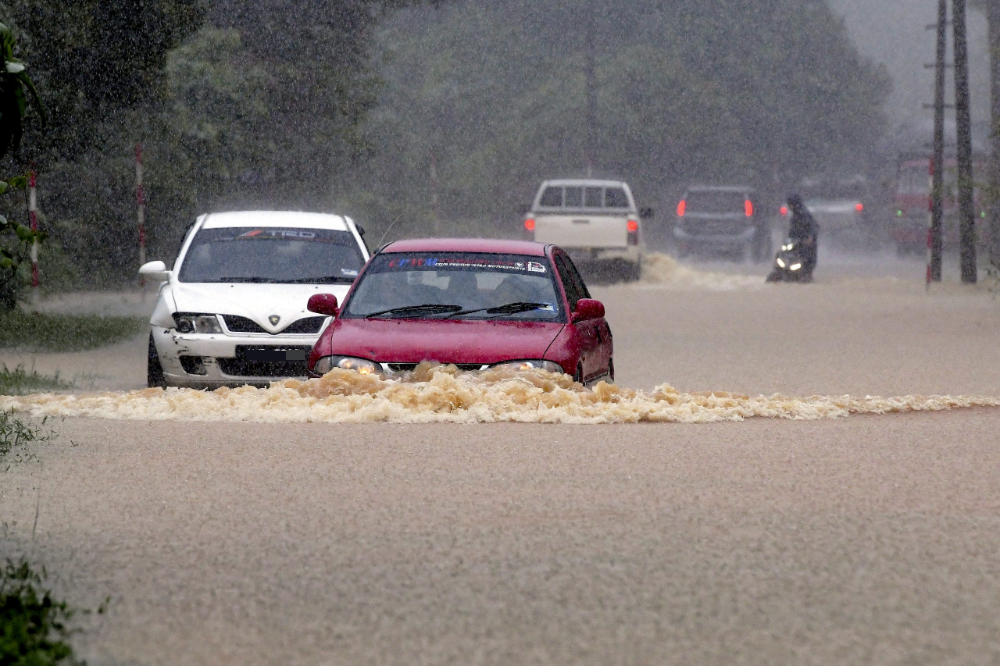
{"x": 803, "y": 230}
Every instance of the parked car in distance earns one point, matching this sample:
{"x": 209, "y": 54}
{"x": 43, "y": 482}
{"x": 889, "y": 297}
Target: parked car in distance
{"x": 595, "y": 221}
{"x": 841, "y": 208}
{"x": 722, "y": 219}
{"x": 470, "y": 302}
{"x": 232, "y": 309}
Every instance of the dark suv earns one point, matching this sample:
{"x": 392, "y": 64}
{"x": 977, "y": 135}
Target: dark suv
{"x": 728, "y": 219}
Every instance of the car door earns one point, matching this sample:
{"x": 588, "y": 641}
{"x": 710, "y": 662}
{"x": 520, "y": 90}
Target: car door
{"x": 588, "y": 332}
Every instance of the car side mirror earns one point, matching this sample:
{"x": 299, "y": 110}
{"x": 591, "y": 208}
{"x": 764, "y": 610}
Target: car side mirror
{"x": 646, "y": 213}
{"x": 155, "y": 270}
{"x": 588, "y": 308}
{"x": 324, "y": 304}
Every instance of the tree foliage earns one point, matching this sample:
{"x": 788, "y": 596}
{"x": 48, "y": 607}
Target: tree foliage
{"x": 494, "y": 94}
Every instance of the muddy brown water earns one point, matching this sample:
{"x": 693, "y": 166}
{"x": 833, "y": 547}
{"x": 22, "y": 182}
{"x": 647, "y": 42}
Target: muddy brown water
{"x": 859, "y": 539}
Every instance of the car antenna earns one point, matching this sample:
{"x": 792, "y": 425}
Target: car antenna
{"x": 386, "y": 232}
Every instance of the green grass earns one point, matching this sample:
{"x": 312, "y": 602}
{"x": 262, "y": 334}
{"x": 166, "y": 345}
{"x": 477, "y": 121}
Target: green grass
{"x": 44, "y": 332}
{"x": 20, "y": 381}
{"x": 35, "y": 626}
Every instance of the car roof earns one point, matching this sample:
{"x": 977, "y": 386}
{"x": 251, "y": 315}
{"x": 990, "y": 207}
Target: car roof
{"x": 467, "y": 245}
{"x": 274, "y": 218}
{"x": 584, "y": 181}
{"x": 720, "y": 188}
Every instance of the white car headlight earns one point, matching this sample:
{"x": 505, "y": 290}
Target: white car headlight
{"x": 795, "y": 267}
{"x": 361, "y": 365}
{"x": 781, "y": 262}
{"x": 187, "y": 322}
{"x": 529, "y": 364}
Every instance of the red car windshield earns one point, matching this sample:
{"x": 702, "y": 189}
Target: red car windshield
{"x": 438, "y": 285}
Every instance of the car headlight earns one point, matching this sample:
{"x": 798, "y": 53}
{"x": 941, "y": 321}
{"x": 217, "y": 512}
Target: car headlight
{"x": 781, "y": 262}
{"x": 187, "y": 322}
{"x": 529, "y": 364}
{"x": 795, "y": 267}
{"x": 360, "y": 365}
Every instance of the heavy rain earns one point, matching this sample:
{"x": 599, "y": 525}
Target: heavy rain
{"x": 445, "y": 331}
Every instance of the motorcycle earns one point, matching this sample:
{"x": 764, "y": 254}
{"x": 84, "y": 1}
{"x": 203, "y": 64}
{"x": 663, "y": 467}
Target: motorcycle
{"x": 789, "y": 263}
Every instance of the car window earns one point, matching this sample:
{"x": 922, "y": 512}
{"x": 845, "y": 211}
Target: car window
{"x": 572, "y": 282}
{"x": 279, "y": 255}
{"x": 594, "y": 198}
{"x": 574, "y": 197}
{"x": 715, "y": 202}
{"x": 615, "y": 197}
{"x": 552, "y": 197}
{"x": 474, "y": 281}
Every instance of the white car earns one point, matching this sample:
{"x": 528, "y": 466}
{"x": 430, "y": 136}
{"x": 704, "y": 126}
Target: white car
{"x": 232, "y": 310}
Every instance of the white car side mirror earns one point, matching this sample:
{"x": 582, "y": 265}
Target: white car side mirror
{"x": 154, "y": 270}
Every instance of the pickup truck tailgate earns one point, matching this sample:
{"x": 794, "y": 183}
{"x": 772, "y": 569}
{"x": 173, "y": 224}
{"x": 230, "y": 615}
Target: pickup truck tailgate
{"x": 582, "y": 230}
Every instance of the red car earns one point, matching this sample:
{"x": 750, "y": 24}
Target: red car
{"x": 474, "y": 303}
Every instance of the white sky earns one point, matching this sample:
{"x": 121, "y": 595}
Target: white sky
{"x": 893, "y": 32}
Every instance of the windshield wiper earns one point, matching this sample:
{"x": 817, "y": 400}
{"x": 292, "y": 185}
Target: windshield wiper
{"x": 323, "y": 279}
{"x": 425, "y": 309}
{"x": 244, "y": 278}
{"x": 507, "y": 308}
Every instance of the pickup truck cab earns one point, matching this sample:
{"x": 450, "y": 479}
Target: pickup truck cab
{"x": 596, "y": 222}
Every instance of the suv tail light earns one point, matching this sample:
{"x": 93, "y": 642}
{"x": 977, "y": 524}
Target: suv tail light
{"x": 681, "y": 207}
{"x": 859, "y": 207}
{"x": 748, "y": 208}
{"x": 632, "y": 226}
{"x": 783, "y": 210}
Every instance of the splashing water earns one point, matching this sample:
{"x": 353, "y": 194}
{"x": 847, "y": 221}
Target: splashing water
{"x": 437, "y": 394}
{"x": 662, "y": 269}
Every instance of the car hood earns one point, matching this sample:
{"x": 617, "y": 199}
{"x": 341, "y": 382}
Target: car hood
{"x": 253, "y": 301}
{"x": 832, "y": 206}
{"x": 447, "y": 341}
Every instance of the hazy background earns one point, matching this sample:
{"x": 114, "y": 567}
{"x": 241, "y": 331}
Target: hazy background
{"x": 894, "y": 33}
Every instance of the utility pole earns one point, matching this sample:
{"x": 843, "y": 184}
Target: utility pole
{"x": 992, "y": 10}
{"x": 591, "y": 91}
{"x": 934, "y": 242}
{"x": 963, "y": 124}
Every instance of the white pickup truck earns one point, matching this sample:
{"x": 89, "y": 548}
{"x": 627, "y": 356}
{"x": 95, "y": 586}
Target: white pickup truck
{"x": 594, "y": 221}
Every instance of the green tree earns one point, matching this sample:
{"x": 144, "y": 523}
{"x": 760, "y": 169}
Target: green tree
{"x": 16, "y": 239}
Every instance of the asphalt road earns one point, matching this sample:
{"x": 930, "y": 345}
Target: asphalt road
{"x": 869, "y": 539}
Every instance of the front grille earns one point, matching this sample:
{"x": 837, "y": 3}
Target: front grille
{"x": 408, "y": 367}
{"x": 237, "y": 324}
{"x": 242, "y": 367}
{"x": 306, "y": 326}
{"x": 697, "y": 227}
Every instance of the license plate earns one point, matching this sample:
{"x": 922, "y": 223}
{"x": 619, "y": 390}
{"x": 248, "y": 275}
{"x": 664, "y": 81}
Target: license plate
{"x": 274, "y": 355}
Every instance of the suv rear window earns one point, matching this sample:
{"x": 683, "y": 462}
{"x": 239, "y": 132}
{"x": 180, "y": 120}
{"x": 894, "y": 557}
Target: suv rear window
{"x": 717, "y": 202}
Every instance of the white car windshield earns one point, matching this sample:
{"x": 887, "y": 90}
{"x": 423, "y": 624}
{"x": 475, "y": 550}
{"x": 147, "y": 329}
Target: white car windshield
{"x": 456, "y": 285}
{"x": 272, "y": 255}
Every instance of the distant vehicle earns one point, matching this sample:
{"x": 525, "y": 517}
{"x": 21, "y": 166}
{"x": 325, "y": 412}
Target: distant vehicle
{"x": 912, "y": 202}
{"x": 841, "y": 207}
{"x": 232, "y": 310}
{"x": 477, "y": 304}
{"x": 595, "y": 221}
{"x": 722, "y": 218}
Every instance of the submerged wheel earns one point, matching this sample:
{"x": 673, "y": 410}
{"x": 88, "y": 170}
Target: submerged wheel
{"x": 154, "y": 371}
{"x": 578, "y": 375}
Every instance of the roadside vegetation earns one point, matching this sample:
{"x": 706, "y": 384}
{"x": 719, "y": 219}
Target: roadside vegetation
{"x": 19, "y": 381}
{"x": 46, "y": 332}
{"x": 35, "y": 625}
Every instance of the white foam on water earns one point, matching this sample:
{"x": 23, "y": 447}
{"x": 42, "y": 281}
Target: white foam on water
{"x": 663, "y": 270}
{"x": 442, "y": 394}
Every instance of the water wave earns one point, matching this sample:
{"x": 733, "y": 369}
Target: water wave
{"x": 663, "y": 270}
{"x": 442, "y": 394}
